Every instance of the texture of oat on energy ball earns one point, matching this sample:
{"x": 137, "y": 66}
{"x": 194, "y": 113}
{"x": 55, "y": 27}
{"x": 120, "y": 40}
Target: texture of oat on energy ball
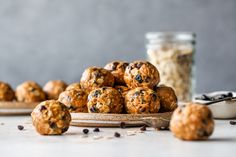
{"x": 54, "y": 88}
{"x": 74, "y": 86}
{"x": 105, "y": 100}
{"x": 141, "y": 101}
{"x": 174, "y": 63}
{"x": 51, "y": 118}
{"x": 192, "y": 122}
{"x": 75, "y": 100}
{"x": 117, "y": 68}
{"x": 6, "y": 92}
{"x": 95, "y": 77}
{"x": 141, "y": 74}
{"x": 30, "y": 91}
{"x": 167, "y": 98}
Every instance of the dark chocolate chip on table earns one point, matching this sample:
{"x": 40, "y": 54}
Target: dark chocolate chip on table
{"x": 232, "y": 122}
{"x": 143, "y": 128}
{"x": 139, "y": 78}
{"x": 122, "y": 125}
{"x": 85, "y": 131}
{"x": 116, "y": 134}
{"x": 96, "y": 130}
{"x": 20, "y": 127}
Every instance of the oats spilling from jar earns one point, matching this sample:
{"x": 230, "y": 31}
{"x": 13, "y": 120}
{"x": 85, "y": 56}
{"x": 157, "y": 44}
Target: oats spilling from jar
{"x": 174, "y": 62}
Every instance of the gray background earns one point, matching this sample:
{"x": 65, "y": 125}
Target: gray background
{"x": 56, "y": 39}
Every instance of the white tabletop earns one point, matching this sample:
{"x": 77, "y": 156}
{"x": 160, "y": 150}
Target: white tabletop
{"x": 28, "y": 142}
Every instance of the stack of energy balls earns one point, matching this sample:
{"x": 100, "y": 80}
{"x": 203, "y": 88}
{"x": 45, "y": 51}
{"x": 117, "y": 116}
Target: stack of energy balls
{"x": 120, "y": 87}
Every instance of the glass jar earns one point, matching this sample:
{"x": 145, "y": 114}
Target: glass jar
{"x": 173, "y": 54}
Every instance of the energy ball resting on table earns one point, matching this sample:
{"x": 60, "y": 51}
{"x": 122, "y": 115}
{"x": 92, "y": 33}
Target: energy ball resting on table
{"x": 30, "y": 91}
{"x": 54, "y": 88}
{"x": 141, "y": 74}
{"x": 95, "y": 77}
{"x": 105, "y": 100}
{"x": 75, "y": 100}
{"x": 192, "y": 122}
{"x": 141, "y": 101}
{"x": 167, "y": 98}
{"x": 51, "y": 118}
{"x": 6, "y": 92}
{"x": 74, "y": 86}
{"x": 117, "y": 68}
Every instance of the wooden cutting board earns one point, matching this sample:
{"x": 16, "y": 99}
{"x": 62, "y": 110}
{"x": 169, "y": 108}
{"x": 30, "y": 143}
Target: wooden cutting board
{"x": 157, "y": 120}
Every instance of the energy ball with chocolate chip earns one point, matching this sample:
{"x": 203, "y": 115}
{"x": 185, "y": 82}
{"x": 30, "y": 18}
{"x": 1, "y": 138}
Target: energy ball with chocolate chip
{"x": 95, "y": 77}
{"x": 30, "y": 91}
{"x": 75, "y": 100}
{"x": 6, "y": 92}
{"x": 105, "y": 100}
{"x": 54, "y": 88}
{"x": 192, "y": 122}
{"x": 142, "y": 100}
{"x": 122, "y": 89}
{"x": 141, "y": 74}
{"x": 74, "y": 86}
{"x": 117, "y": 68}
{"x": 167, "y": 97}
{"x": 51, "y": 118}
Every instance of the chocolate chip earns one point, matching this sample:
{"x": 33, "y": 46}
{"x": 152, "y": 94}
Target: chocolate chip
{"x": 232, "y": 122}
{"x": 138, "y": 78}
{"x": 97, "y": 93}
{"x": 85, "y": 131}
{"x": 96, "y": 130}
{"x": 93, "y": 109}
{"x": 136, "y": 94}
{"x": 53, "y": 125}
{"x": 138, "y": 65}
{"x": 230, "y": 94}
{"x": 20, "y": 127}
{"x": 122, "y": 125}
{"x": 125, "y": 65}
{"x": 104, "y": 88}
{"x": 97, "y": 74}
{"x": 72, "y": 108}
{"x": 65, "y": 129}
{"x": 114, "y": 65}
{"x": 143, "y": 128}
{"x": 142, "y": 109}
{"x": 116, "y": 134}
{"x": 205, "y": 97}
{"x": 42, "y": 108}
{"x": 154, "y": 96}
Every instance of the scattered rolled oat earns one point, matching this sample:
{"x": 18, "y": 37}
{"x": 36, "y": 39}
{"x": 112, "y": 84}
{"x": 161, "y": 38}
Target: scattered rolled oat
{"x": 97, "y": 137}
{"x": 131, "y": 133}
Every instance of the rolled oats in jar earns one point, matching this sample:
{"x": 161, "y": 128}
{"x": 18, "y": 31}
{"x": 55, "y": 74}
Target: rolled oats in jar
{"x": 173, "y": 54}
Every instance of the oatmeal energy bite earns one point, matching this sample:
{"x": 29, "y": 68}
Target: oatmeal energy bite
{"x": 105, "y": 100}
{"x": 167, "y": 98}
{"x": 75, "y": 100}
{"x": 6, "y": 92}
{"x": 141, "y": 74}
{"x": 95, "y": 77}
{"x": 54, "y": 88}
{"x": 192, "y": 122}
{"x": 30, "y": 91}
{"x": 51, "y": 118}
{"x": 142, "y": 100}
{"x": 117, "y": 68}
